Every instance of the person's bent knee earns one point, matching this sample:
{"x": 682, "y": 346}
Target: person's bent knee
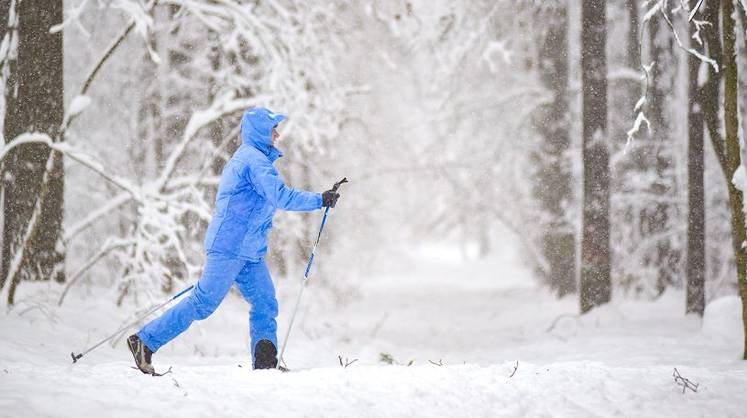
{"x": 203, "y": 306}
{"x": 204, "y": 311}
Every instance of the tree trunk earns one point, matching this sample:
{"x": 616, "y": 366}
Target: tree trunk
{"x": 695, "y": 300}
{"x": 553, "y": 182}
{"x": 623, "y": 95}
{"x": 709, "y": 96}
{"x": 596, "y": 286}
{"x": 34, "y": 103}
{"x": 659, "y": 213}
{"x": 731, "y": 146}
{"x": 741, "y": 63}
{"x": 633, "y": 53}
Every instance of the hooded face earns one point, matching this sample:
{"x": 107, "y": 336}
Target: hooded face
{"x": 258, "y": 128}
{"x": 275, "y": 136}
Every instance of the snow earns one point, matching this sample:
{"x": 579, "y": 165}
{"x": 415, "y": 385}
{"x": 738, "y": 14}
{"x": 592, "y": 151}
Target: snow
{"x": 78, "y": 104}
{"x": 651, "y": 12}
{"x": 508, "y": 349}
{"x": 639, "y": 121}
{"x": 722, "y": 317}
{"x": 739, "y": 179}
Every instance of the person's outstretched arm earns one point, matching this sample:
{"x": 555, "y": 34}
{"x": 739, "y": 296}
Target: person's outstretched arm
{"x": 269, "y": 185}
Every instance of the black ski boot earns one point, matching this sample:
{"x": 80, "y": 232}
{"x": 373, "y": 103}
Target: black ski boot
{"x": 265, "y": 355}
{"x": 141, "y": 353}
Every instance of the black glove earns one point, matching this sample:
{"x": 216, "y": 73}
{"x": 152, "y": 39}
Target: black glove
{"x": 329, "y": 198}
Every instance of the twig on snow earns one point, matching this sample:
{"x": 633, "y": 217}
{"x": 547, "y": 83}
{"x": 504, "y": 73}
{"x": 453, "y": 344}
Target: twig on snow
{"x": 516, "y": 366}
{"x": 439, "y": 364}
{"x": 684, "y": 382}
{"x": 555, "y": 322}
{"x": 346, "y": 363}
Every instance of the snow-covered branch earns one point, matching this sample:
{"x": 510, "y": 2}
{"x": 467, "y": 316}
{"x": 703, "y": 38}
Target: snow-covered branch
{"x": 68, "y": 150}
{"x": 106, "y": 209}
{"x": 691, "y": 51}
{"x": 221, "y": 107}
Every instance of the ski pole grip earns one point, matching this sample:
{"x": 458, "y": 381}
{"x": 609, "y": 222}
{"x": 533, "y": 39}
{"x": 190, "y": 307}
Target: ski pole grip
{"x": 339, "y": 183}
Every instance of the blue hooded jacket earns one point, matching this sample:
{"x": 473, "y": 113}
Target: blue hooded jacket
{"x": 250, "y": 190}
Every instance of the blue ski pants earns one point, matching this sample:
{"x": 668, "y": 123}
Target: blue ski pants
{"x": 220, "y": 273}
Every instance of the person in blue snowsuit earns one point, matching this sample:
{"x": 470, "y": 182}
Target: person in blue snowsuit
{"x": 250, "y": 191}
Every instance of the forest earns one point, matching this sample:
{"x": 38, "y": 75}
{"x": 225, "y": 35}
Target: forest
{"x": 522, "y": 174}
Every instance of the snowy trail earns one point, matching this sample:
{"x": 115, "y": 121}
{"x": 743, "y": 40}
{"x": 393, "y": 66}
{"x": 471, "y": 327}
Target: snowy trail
{"x": 479, "y": 319}
{"x": 563, "y": 389}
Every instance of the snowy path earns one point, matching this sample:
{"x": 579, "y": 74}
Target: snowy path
{"x": 480, "y": 320}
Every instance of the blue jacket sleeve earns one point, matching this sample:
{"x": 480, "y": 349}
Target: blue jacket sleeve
{"x": 269, "y": 185}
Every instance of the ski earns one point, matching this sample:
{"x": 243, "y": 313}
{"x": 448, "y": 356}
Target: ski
{"x": 154, "y": 374}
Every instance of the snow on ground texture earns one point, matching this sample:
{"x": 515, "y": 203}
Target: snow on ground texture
{"x": 479, "y": 319}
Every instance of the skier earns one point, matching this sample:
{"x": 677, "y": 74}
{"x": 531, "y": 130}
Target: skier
{"x": 236, "y": 242}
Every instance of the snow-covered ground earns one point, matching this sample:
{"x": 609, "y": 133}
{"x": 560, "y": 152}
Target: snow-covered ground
{"x": 507, "y": 348}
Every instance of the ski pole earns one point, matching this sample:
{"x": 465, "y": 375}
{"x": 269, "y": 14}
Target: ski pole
{"x": 306, "y": 274}
{"x": 77, "y": 357}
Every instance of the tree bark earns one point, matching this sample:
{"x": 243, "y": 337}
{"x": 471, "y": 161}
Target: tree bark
{"x": 553, "y": 183}
{"x": 695, "y": 270}
{"x": 731, "y": 146}
{"x": 34, "y": 103}
{"x": 596, "y": 286}
{"x": 658, "y": 214}
{"x": 710, "y": 91}
{"x": 633, "y": 53}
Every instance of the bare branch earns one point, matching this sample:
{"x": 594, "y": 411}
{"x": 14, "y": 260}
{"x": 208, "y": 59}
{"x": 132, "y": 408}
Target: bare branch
{"x": 66, "y": 149}
{"x": 109, "y": 247}
{"x": 690, "y": 51}
{"x": 694, "y": 11}
{"x": 684, "y": 382}
{"x": 104, "y": 210}
{"x": 346, "y": 363}
{"x": 95, "y": 69}
{"x": 557, "y": 320}
{"x": 200, "y": 119}
{"x": 514, "y": 371}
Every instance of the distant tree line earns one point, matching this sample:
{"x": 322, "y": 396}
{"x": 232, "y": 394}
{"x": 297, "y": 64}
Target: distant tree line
{"x": 633, "y": 206}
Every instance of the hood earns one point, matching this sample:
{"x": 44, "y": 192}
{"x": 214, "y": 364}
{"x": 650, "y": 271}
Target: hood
{"x": 256, "y": 130}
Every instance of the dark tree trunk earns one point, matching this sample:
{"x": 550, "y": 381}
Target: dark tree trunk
{"x": 658, "y": 216}
{"x": 623, "y": 95}
{"x": 732, "y": 153}
{"x": 696, "y": 194}
{"x": 553, "y": 183}
{"x": 633, "y": 53}
{"x": 34, "y": 103}
{"x": 596, "y": 287}
{"x": 741, "y": 63}
{"x": 710, "y": 91}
